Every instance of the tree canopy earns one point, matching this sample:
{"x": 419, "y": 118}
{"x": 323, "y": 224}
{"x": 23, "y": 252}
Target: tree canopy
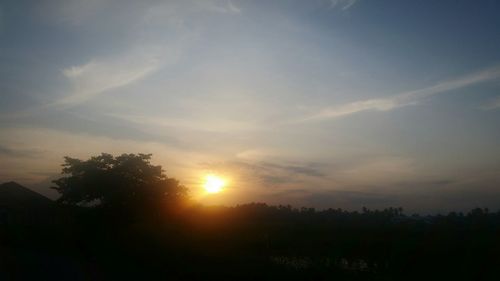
{"x": 125, "y": 181}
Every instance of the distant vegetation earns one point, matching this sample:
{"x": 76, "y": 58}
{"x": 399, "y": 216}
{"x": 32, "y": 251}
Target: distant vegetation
{"x": 121, "y": 218}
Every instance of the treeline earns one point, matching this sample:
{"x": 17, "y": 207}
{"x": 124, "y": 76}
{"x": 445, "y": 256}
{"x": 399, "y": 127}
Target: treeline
{"x": 255, "y": 242}
{"x": 122, "y": 218}
{"x": 371, "y": 244}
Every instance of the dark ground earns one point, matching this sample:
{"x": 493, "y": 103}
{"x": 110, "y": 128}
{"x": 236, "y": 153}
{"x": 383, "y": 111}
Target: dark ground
{"x": 248, "y": 242}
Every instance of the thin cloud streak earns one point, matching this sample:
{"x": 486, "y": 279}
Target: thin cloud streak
{"x": 99, "y": 76}
{"x": 220, "y": 7}
{"x": 342, "y": 4}
{"x": 404, "y": 99}
{"x": 207, "y": 125}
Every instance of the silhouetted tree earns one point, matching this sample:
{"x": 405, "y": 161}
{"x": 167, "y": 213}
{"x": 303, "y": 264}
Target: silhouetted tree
{"x": 127, "y": 181}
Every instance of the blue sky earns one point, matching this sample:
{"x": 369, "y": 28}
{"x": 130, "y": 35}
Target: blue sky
{"x": 341, "y": 103}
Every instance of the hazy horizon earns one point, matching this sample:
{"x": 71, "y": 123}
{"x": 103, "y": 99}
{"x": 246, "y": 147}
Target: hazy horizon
{"x": 323, "y": 103}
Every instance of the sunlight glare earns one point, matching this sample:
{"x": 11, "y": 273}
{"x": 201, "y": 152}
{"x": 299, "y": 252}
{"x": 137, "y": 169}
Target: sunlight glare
{"x": 213, "y": 184}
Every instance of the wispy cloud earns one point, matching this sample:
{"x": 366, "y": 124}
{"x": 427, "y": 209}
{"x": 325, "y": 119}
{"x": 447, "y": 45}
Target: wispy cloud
{"x": 233, "y": 8}
{"x": 102, "y": 75}
{"x": 270, "y": 174}
{"x": 220, "y": 6}
{"x": 494, "y": 104}
{"x": 342, "y": 4}
{"x": 189, "y": 124}
{"x": 7, "y": 151}
{"x": 404, "y": 99}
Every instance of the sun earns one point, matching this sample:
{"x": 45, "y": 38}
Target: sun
{"x": 213, "y": 184}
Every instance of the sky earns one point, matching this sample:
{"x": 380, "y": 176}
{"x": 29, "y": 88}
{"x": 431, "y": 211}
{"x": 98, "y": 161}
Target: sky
{"x": 319, "y": 103}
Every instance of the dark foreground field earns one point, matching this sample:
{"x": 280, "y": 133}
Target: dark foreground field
{"x": 46, "y": 241}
